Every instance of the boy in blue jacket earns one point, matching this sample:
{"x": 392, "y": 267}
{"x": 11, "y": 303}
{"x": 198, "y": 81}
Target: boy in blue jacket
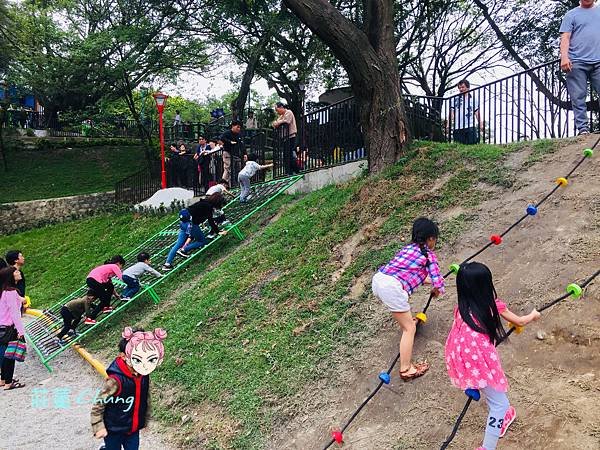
{"x": 185, "y": 230}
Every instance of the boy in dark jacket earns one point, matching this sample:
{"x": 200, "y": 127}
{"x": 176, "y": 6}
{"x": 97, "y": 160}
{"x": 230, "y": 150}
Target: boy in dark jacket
{"x": 201, "y": 212}
{"x": 122, "y": 408}
{"x": 72, "y": 312}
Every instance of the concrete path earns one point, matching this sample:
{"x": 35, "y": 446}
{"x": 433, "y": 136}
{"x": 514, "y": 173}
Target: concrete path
{"x": 53, "y": 410}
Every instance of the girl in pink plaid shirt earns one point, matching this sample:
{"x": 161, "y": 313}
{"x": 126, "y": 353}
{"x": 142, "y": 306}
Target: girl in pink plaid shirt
{"x": 414, "y": 265}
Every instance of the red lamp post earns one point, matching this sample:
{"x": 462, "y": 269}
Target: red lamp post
{"x": 160, "y": 100}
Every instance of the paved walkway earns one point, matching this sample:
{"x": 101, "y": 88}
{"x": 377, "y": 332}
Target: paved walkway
{"x": 53, "y": 410}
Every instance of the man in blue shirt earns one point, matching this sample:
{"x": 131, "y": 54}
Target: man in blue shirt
{"x": 580, "y": 56}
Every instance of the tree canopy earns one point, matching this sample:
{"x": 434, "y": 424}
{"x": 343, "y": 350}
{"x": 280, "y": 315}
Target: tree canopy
{"x": 75, "y": 55}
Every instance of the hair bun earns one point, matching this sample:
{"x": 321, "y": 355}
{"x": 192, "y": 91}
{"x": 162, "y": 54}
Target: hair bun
{"x": 127, "y": 333}
{"x": 160, "y": 334}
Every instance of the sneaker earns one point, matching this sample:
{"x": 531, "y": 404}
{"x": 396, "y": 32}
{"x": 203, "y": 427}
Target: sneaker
{"x": 226, "y": 223}
{"x": 125, "y": 299}
{"x": 211, "y": 236}
{"x": 108, "y": 309}
{"x": 583, "y": 133}
{"x": 60, "y": 342}
{"x": 72, "y": 333}
{"x": 89, "y": 321}
{"x": 166, "y": 267}
{"x": 183, "y": 253}
{"x": 509, "y": 418}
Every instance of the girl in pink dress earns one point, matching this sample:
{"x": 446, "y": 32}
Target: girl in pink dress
{"x": 471, "y": 357}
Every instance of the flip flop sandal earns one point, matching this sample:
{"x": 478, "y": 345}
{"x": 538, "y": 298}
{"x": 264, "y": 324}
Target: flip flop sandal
{"x": 14, "y": 385}
{"x": 421, "y": 369}
{"x": 15, "y": 380}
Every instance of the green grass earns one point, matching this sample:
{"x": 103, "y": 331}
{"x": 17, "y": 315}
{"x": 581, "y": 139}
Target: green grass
{"x": 248, "y": 335}
{"x": 59, "y": 257}
{"x": 58, "y": 173}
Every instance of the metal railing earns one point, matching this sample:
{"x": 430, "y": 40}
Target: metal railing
{"x": 60, "y": 127}
{"x": 529, "y": 105}
{"x": 330, "y": 136}
{"x": 195, "y": 174}
{"x": 533, "y": 104}
{"x": 192, "y": 131}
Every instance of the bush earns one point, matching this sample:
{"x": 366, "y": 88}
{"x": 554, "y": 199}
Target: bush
{"x": 44, "y": 144}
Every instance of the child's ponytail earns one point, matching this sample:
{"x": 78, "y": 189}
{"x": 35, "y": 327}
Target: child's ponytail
{"x": 422, "y": 230}
{"x": 117, "y": 259}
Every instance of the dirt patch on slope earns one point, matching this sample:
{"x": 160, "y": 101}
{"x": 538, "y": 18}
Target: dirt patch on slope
{"x": 345, "y": 253}
{"x": 555, "y": 381}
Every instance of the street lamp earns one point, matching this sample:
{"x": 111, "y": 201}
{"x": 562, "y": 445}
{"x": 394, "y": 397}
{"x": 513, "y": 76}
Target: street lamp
{"x": 160, "y": 100}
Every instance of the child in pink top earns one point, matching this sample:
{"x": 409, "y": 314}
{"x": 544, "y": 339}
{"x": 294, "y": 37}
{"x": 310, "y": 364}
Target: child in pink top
{"x": 99, "y": 282}
{"x": 11, "y": 323}
{"x": 471, "y": 357}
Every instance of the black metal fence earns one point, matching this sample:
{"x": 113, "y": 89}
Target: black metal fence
{"x": 60, "y": 127}
{"x": 139, "y": 186}
{"x": 193, "y": 173}
{"x": 532, "y": 104}
{"x": 529, "y": 105}
{"x": 330, "y": 136}
{"x": 192, "y": 131}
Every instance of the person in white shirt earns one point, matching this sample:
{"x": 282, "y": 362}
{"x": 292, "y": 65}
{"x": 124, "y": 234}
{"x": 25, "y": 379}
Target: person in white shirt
{"x": 222, "y": 188}
{"x": 464, "y": 117}
{"x": 251, "y": 122}
{"x": 132, "y": 274}
{"x": 177, "y": 120}
{"x": 248, "y": 172}
{"x": 218, "y": 214}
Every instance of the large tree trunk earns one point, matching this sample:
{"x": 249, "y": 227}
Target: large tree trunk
{"x": 143, "y": 133}
{"x": 383, "y": 122}
{"x": 2, "y": 149}
{"x": 369, "y": 57}
{"x": 239, "y": 103}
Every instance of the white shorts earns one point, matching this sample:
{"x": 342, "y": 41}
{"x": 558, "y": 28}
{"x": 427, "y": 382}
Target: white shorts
{"x": 391, "y": 292}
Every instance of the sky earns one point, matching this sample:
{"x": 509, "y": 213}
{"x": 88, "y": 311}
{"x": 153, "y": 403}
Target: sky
{"x": 197, "y": 87}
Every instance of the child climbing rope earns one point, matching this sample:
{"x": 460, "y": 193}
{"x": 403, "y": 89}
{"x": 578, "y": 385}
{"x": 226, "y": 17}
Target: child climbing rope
{"x": 99, "y": 282}
{"x": 395, "y": 282}
{"x": 248, "y": 172}
{"x": 122, "y": 408}
{"x": 132, "y": 274}
{"x": 471, "y": 357}
{"x": 72, "y": 312}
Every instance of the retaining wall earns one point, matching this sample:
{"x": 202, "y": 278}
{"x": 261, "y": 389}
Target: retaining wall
{"x": 25, "y": 215}
{"x": 318, "y": 179}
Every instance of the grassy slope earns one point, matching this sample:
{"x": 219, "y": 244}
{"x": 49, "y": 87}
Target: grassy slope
{"x": 59, "y": 257}
{"x": 58, "y": 173}
{"x": 246, "y": 336}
